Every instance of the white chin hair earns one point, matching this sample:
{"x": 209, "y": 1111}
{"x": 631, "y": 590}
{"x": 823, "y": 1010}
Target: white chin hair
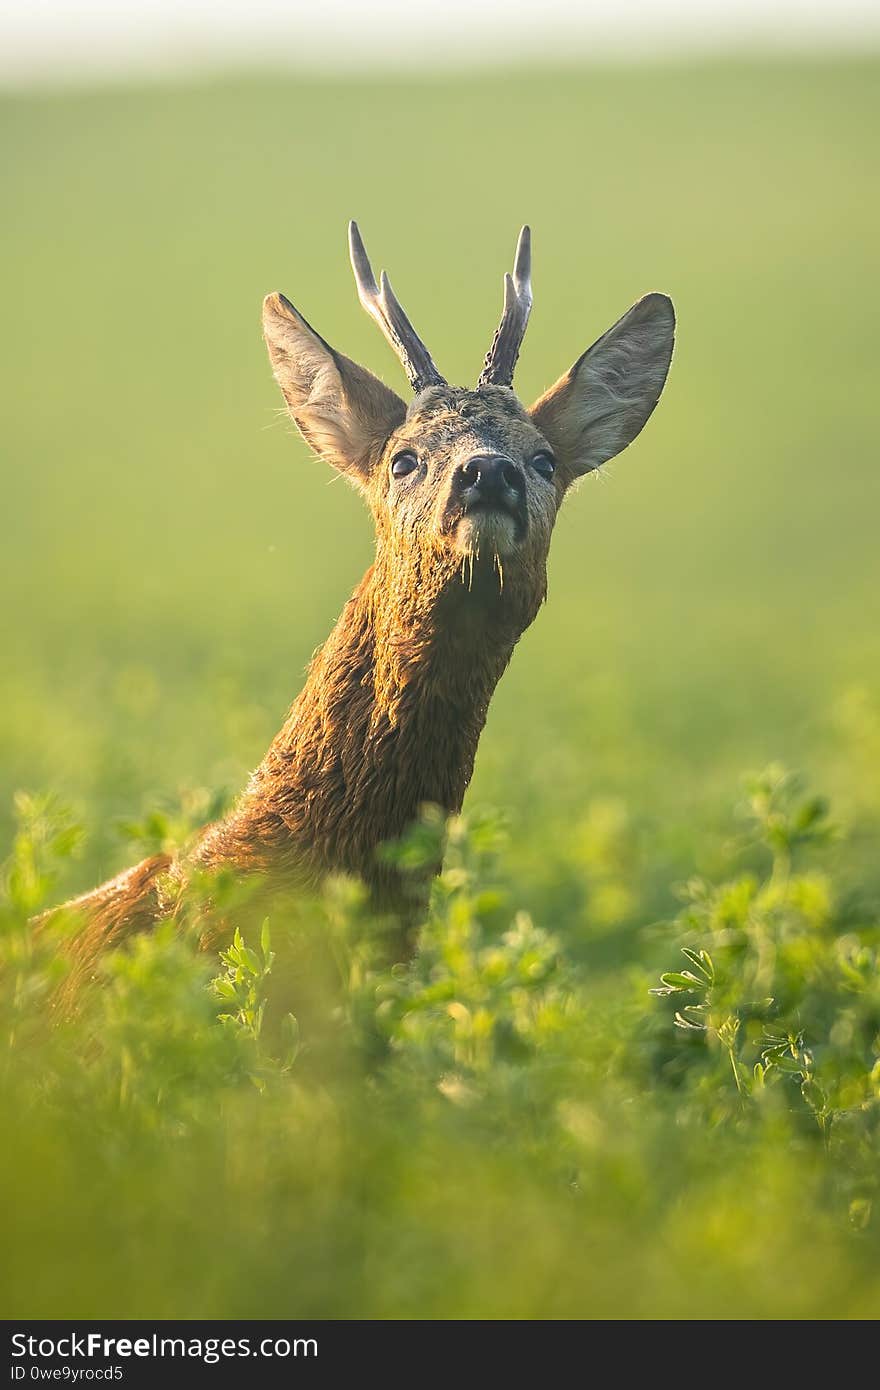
{"x": 488, "y": 533}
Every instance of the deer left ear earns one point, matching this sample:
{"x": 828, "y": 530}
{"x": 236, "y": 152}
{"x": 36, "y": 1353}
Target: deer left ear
{"x": 344, "y": 412}
{"x": 598, "y": 408}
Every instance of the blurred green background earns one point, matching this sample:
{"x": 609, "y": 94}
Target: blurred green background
{"x": 172, "y": 555}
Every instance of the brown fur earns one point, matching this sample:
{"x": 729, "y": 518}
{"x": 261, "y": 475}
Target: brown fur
{"x": 395, "y": 701}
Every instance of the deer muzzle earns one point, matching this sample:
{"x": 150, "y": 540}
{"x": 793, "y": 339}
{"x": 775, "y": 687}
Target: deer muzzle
{"x": 491, "y": 482}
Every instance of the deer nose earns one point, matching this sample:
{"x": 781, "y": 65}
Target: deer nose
{"x": 490, "y": 475}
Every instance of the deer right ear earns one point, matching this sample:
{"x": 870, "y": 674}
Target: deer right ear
{"x": 344, "y": 412}
{"x": 599, "y": 407}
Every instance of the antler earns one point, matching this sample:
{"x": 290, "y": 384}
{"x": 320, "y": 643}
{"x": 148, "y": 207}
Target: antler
{"x": 383, "y": 305}
{"x": 502, "y": 355}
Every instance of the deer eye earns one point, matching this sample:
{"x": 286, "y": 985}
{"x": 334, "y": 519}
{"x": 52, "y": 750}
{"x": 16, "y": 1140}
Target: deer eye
{"x": 544, "y": 464}
{"x": 403, "y": 463}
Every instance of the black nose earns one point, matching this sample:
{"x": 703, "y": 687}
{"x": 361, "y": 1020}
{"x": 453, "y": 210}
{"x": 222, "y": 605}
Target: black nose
{"x": 490, "y": 475}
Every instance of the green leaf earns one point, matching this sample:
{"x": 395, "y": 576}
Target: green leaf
{"x": 684, "y": 981}
{"x": 809, "y": 813}
{"x": 250, "y": 959}
{"x": 681, "y": 1022}
{"x": 813, "y": 1094}
{"x": 290, "y": 1031}
{"x": 701, "y": 961}
{"x": 788, "y": 1065}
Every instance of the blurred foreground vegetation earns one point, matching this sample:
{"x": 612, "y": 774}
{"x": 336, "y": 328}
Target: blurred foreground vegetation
{"x": 484, "y": 1133}
{"x": 516, "y": 1126}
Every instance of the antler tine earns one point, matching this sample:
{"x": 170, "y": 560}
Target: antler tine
{"x": 502, "y": 356}
{"x": 382, "y": 304}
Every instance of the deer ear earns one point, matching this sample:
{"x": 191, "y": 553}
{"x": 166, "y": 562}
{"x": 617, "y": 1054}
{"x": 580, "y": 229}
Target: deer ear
{"x": 344, "y": 412}
{"x": 598, "y": 408}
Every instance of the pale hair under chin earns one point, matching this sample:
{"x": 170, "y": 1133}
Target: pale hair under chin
{"x": 490, "y": 533}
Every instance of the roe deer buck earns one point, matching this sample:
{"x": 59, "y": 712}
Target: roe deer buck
{"x": 464, "y": 487}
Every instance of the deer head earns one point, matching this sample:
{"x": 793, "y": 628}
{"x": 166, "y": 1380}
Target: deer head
{"x": 468, "y": 481}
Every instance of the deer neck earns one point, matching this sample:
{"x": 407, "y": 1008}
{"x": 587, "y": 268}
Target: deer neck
{"x": 388, "y": 720}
